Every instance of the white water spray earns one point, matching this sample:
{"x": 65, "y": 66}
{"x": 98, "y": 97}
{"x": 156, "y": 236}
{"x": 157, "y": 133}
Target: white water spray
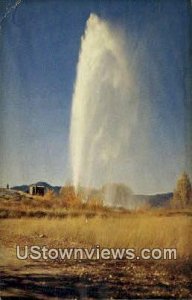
{"x": 104, "y": 106}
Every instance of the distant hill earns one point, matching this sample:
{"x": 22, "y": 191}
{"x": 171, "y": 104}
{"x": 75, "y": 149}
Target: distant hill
{"x": 158, "y": 200}
{"x": 25, "y": 188}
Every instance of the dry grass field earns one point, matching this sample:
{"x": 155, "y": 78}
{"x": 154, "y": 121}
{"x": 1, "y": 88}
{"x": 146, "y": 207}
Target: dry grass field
{"x": 127, "y": 231}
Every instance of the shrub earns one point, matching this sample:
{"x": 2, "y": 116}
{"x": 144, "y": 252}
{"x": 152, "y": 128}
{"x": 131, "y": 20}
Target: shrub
{"x": 95, "y": 203}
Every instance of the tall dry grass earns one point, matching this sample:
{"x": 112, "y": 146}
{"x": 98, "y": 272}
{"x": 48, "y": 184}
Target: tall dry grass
{"x": 127, "y": 231}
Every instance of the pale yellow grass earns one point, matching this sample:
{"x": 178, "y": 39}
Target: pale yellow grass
{"x": 129, "y": 231}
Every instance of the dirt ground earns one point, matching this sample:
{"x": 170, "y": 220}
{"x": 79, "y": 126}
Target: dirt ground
{"x": 120, "y": 279}
{"x": 93, "y": 279}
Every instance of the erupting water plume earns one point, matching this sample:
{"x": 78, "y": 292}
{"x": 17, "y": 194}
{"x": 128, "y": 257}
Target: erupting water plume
{"x": 104, "y": 106}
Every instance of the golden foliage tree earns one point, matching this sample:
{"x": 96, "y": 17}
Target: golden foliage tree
{"x": 69, "y": 198}
{"x": 182, "y": 196}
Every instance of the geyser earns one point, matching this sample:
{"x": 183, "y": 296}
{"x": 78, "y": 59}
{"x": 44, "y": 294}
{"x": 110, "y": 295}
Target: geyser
{"x": 104, "y": 106}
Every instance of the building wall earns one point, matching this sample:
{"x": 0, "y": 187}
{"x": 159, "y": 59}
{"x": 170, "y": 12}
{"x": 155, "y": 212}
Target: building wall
{"x": 37, "y": 190}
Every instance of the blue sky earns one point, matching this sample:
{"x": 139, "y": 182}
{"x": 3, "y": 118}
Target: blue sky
{"x": 39, "y": 48}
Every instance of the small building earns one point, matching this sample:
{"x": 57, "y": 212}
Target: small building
{"x": 35, "y": 189}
